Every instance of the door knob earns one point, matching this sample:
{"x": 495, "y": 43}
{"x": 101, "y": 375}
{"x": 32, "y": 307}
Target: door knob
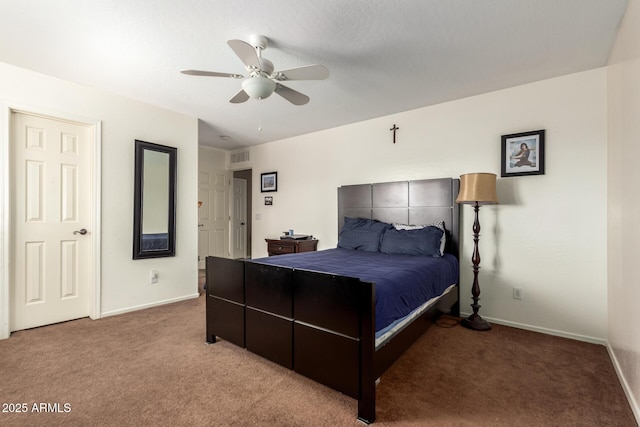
{"x": 82, "y": 231}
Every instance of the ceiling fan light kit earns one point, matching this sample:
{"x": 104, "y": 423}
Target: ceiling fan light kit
{"x": 262, "y": 80}
{"x": 258, "y": 87}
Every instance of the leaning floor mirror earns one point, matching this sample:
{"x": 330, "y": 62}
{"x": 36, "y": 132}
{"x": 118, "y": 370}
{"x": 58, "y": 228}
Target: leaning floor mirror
{"x": 154, "y": 206}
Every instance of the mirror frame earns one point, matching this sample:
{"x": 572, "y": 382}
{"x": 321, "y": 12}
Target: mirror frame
{"x": 138, "y": 252}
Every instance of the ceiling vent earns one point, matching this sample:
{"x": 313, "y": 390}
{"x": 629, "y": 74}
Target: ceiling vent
{"x": 239, "y": 157}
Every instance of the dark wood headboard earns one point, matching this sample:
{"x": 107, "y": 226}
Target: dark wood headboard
{"x": 424, "y": 201}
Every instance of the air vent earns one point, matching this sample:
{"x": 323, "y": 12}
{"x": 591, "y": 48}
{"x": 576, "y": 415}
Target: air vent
{"x": 239, "y": 157}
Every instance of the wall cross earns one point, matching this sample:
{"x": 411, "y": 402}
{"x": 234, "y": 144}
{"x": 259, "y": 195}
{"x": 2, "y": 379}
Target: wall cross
{"x": 394, "y": 129}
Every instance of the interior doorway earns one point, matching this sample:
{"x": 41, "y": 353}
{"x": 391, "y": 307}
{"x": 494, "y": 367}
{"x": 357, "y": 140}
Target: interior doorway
{"x": 213, "y": 214}
{"x": 50, "y": 240}
{"x": 242, "y": 231}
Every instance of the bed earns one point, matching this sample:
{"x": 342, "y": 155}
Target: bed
{"x": 322, "y": 318}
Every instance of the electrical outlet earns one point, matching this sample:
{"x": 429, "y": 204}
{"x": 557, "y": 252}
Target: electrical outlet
{"x": 517, "y": 293}
{"x": 153, "y": 276}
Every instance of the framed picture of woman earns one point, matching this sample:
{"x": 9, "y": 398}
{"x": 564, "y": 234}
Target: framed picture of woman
{"x": 523, "y": 154}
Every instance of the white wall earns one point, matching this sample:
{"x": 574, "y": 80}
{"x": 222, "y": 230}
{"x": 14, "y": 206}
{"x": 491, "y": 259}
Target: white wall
{"x": 548, "y": 235}
{"x": 212, "y": 158}
{"x": 125, "y": 282}
{"x": 624, "y": 204}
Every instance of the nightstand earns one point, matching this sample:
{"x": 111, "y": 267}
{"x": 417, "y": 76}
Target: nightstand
{"x": 290, "y": 246}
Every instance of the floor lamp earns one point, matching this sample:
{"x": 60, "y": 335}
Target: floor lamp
{"x": 477, "y": 189}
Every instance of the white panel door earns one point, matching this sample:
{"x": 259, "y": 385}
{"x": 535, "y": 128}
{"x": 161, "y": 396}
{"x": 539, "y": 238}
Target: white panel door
{"x": 213, "y": 214}
{"x": 239, "y": 218}
{"x": 51, "y": 217}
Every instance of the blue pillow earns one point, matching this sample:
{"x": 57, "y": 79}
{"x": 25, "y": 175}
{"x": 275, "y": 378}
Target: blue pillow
{"x": 362, "y": 234}
{"x": 423, "y": 241}
{"x": 440, "y": 225}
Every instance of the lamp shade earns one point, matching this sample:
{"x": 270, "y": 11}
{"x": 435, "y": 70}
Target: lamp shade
{"x": 258, "y": 87}
{"x": 478, "y": 188}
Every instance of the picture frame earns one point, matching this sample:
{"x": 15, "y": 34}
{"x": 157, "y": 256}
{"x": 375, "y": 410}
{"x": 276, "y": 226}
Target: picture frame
{"x": 523, "y": 153}
{"x": 268, "y": 182}
{"x": 268, "y": 200}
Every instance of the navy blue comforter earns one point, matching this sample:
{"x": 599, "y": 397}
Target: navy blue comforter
{"x": 402, "y": 282}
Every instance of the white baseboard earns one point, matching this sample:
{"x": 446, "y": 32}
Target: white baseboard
{"x": 625, "y": 385}
{"x": 554, "y": 332}
{"x": 153, "y": 304}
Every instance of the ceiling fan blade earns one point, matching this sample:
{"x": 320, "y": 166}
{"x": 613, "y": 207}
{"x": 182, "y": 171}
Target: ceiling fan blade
{"x": 308, "y": 72}
{"x": 239, "y": 97}
{"x": 293, "y": 96}
{"x": 245, "y": 52}
{"x": 210, "y": 74}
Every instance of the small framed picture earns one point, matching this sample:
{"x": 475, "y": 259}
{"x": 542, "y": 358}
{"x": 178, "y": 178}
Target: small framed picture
{"x": 268, "y": 200}
{"x": 523, "y": 154}
{"x": 268, "y": 182}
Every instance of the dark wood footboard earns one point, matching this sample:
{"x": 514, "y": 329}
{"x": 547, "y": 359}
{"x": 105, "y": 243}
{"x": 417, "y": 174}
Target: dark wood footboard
{"x": 225, "y": 300}
{"x": 320, "y": 325}
{"x": 334, "y": 336}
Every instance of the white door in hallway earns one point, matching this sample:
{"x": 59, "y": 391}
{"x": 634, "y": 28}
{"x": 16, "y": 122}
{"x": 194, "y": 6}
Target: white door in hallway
{"x": 51, "y": 218}
{"x": 213, "y": 214}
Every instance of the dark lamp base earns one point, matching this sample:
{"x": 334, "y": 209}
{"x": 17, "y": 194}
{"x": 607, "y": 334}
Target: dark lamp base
{"x": 476, "y": 323}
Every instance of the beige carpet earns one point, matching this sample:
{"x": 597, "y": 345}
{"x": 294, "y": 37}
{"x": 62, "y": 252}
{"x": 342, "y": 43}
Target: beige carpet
{"x": 153, "y": 368}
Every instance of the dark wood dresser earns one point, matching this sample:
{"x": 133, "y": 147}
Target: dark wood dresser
{"x": 290, "y": 246}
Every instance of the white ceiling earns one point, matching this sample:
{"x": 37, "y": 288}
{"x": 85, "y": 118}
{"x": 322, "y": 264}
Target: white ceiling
{"x": 383, "y": 56}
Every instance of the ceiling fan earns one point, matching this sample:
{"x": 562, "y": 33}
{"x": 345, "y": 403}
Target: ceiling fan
{"x": 263, "y": 80}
